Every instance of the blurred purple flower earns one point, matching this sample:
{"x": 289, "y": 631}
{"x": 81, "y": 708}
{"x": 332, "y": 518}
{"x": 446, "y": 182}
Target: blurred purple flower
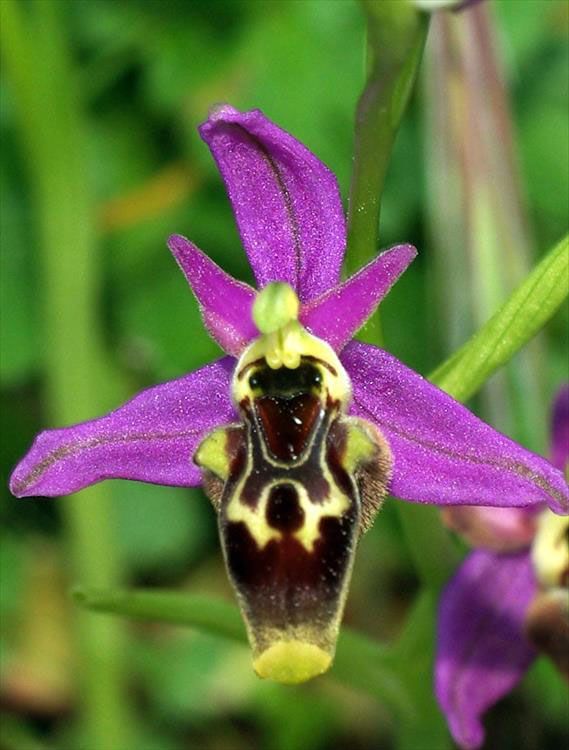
{"x": 294, "y": 479}
{"x": 508, "y": 600}
{"x": 289, "y": 214}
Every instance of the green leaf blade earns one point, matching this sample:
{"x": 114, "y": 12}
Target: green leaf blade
{"x": 526, "y": 311}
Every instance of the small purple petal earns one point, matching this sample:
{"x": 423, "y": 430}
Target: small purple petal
{"x": 225, "y": 303}
{"x": 151, "y": 438}
{"x": 443, "y": 454}
{"x": 496, "y": 529}
{"x": 560, "y": 429}
{"x": 286, "y": 202}
{"x": 482, "y": 652}
{"x": 336, "y": 315}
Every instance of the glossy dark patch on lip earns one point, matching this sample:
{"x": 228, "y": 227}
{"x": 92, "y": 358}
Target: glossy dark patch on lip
{"x": 306, "y": 470}
{"x": 287, "y": 423}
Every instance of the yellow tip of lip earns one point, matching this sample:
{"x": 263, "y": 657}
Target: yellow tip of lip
{"x": 292, "y": 662}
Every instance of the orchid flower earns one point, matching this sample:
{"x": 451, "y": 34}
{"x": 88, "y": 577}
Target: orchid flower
{"x": 508, "y": 600}
{"x": 299, "y": 432}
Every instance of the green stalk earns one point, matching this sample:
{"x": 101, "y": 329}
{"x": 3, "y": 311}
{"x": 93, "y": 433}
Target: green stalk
{"x": 523, "y": 314}
{"x": 360, "y": 662}
{"x": 39, "y": 71}
{"x": 396, "y": 38}
{"x": 480, "y": 234}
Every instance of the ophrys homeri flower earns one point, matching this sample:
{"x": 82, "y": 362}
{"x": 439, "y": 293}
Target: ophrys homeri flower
{"x": 299, "y": 432}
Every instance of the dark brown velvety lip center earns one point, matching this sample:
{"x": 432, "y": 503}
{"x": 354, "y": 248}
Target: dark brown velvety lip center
{"x": 283, "y": 508}
{"x": 287, "y": 423}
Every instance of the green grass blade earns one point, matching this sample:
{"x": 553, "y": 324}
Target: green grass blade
{"x": 526, "y": 311}
{"x": 360, "y": 662}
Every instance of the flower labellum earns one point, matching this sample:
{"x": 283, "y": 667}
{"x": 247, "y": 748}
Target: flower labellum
{"x": 298, "y": 433}
{"x": 289, "y": 481}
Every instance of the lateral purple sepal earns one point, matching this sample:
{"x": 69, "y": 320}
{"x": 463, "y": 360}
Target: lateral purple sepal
{"x": 337, "y": 314}
{"x": 225, "y": 303}
{"x": 482, "y": 652}
{"x": 444, "y": 454}
{"x": 286, "y": 202}
{"x": 151, "y": 438}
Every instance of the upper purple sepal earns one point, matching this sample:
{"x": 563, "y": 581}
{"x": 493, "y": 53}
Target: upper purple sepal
{"x": 286, "y": 202}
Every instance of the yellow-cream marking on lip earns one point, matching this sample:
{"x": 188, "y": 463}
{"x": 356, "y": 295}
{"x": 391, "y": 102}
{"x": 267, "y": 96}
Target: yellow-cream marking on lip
{"x": 334, "y": 506}
{"x": 255, "y": 519}
{"x": 285, "y": 349}
{"x": 292, "y": 662}
{"x": 283, "y": 341}
{"x": 550, "y": 549}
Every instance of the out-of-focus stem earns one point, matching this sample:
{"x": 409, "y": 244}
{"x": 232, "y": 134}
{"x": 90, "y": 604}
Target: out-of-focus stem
{"x": 482, "y": 246}
{"x": 39, "y": 72}
{"x": 396, "y": 38}
{"x": 360, "y": 662}
{"x": 517, "y": 321}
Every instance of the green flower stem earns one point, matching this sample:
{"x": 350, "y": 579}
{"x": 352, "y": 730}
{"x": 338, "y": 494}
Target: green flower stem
{"x": 396, "y": 38}
{"x": 525, "y": 312}
{"x": 414, "y": 654}
{"x": 39, "y": 72}
{"x": 360, "y": 662}
{"x": 215, "y": 616}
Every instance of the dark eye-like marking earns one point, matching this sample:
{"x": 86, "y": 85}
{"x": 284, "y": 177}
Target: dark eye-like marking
{"x": 283, "y": 508}
{"x": 254, "y": 381}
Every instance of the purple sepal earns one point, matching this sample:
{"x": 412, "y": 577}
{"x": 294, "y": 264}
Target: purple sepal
{"x": 336, "y": 315}
{"x": 482, "y": 652}
{"x": 286, "y": 202}
{"x": 151, "y": 438}
{"x": 560, "y": 429}
{"x": 225, "y": 303}
{"x": 443, "y": 454}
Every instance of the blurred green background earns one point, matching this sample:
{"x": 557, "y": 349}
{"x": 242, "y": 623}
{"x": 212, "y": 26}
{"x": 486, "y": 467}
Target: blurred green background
{"x": 146, "y": 73}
